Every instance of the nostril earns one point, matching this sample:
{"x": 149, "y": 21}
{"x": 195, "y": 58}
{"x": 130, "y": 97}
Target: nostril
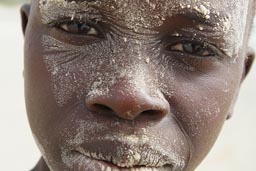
{"x": 127, "y": 106}
{"x": 153, "y": 113}
{"x": 100, "y": 107}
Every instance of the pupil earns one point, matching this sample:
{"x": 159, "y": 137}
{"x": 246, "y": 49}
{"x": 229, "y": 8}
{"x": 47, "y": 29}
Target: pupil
{"x": 83, "y": 27}
{"x": 192, "y": 48}
{"x": 78, "y": 28}
{"x": 197, "y": 48}
{"x": 188, "y": 47}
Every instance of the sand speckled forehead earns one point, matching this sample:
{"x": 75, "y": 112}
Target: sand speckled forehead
{"x": 134, "y": 13}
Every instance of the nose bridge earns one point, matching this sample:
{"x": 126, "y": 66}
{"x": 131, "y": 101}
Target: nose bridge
{"x": 128, "y": 97}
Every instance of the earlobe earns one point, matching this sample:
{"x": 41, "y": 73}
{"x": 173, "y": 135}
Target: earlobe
{"x": 250, "y": 56}
{"x": 230, "y": 114}
{"x": 24, "y": 11}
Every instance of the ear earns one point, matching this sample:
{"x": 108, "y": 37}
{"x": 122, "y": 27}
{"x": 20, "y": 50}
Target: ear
{"x": 24, "y": 11}
{"x": 250, "y": 56}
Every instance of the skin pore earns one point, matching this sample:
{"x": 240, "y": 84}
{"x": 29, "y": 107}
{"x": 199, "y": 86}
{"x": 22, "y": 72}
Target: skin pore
{"x": 132, "y": 85}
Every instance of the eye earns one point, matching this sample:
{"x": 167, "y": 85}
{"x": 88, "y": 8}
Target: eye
{"x": 79, "y": 28}
{"x": 191, "y": 48}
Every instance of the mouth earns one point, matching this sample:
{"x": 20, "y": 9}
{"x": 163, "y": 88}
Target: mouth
{"x": 122, "y": 155}
{"x": 93, "y": 161}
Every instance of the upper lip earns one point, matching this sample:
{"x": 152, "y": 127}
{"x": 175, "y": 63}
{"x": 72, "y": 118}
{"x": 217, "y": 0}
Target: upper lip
{"x": 129, "y": 151}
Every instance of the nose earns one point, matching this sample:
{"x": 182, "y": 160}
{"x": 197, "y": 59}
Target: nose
{"x": 128, "y": 102}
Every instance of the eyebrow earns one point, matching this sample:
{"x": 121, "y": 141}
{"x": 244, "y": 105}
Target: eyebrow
{"x": 210, "y": 19}
{"x": 59, "y": 9}
{"x": 206, "y": 15}
{"x": 215, "y": 21}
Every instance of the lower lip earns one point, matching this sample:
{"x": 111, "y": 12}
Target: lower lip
{"x": 80, "y": 162}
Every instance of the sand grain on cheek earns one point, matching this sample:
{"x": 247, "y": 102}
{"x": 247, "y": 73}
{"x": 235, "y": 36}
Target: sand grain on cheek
{"x": 71, "y": 67}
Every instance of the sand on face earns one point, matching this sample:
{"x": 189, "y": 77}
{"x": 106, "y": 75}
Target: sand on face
{"x": 234, "y": 149}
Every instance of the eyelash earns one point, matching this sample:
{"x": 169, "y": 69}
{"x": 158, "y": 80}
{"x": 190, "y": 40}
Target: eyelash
{"x": 201, "y": 49}
{"x": 81, "y": 26}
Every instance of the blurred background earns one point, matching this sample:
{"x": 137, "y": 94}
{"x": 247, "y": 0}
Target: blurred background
{"x": 12, "y": 2}
{"x": 234, "y": 151}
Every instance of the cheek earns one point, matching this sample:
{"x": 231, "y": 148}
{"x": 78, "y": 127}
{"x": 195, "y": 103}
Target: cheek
{"x": 57, "y": 77}
{"x": 201, "y": 104}
{"x": 37, "y": 92}
{"x": 72, "y": 68}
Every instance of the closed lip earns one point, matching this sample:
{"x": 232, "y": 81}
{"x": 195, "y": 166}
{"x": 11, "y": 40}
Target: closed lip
{"x": 126, "y": 153}
{"x": 90, "y": 163}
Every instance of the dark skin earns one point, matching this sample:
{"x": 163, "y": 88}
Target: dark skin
{"x": 176, "y": 99}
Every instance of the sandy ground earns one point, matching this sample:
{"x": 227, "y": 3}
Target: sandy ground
{"x": 234, "y": 151}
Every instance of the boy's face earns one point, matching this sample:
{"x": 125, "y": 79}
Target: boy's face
{"x": 131, "y": 84}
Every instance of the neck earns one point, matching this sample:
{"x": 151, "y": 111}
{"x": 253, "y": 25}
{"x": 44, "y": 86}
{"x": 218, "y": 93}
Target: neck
{"x": 41, "y": 166}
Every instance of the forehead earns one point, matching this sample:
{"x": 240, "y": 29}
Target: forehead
{"x": 163, "y": 5}
{"x": 147, "y": 12}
